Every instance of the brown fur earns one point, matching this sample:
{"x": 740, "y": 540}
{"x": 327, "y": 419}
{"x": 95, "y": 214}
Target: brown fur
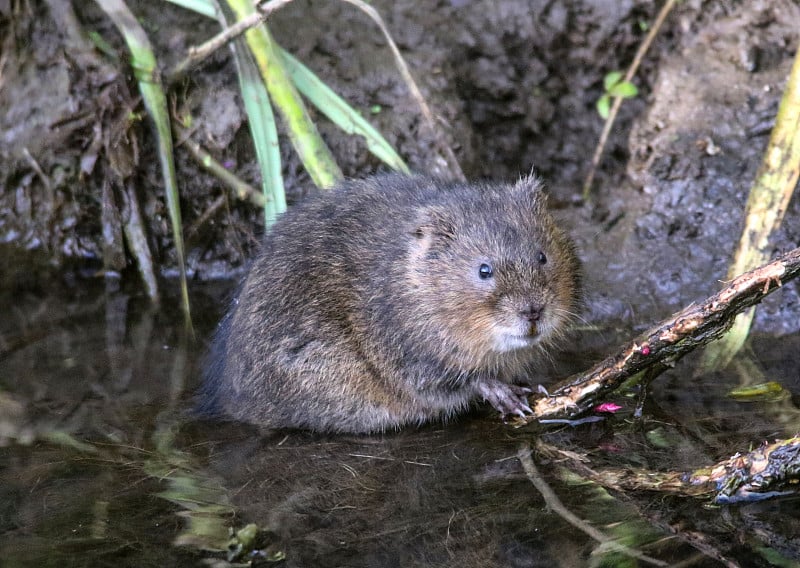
{"x": 365, "y": 310}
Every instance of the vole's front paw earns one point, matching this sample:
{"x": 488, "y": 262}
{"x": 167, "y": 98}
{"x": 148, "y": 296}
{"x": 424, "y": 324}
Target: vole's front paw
{"x": 507, "y": 399}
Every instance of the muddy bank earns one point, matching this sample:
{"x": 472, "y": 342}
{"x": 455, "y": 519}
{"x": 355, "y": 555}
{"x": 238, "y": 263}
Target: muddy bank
{"x": 694, "y": 154}
{"x": 513, "y": 86}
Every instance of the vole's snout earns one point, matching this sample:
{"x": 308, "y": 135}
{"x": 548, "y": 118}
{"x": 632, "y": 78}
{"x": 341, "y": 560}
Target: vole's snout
{"x": 531, "y": 316}
{"x": 532, "y": 312}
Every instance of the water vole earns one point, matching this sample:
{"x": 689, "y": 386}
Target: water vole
{"x": 394, "y": 300}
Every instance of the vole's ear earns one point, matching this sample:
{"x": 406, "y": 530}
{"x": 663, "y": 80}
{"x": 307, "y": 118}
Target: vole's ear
{"x": 529, "y": 189}
{"x": 434, "y": 224}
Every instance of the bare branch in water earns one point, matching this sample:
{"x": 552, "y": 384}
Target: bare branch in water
{"x": 661, "y": 346}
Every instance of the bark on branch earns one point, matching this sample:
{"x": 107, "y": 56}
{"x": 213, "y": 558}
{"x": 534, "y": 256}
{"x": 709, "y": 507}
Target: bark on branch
{"x": 768, "y": 471}
{"x": 661, "y": 346}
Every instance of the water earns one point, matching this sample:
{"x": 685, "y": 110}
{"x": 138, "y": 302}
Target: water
{"x": 103, "y": 464}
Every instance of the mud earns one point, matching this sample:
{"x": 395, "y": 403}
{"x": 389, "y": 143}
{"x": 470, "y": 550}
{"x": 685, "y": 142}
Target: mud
{"x": 513, "y": 86}
{"x": 694, "y": 155}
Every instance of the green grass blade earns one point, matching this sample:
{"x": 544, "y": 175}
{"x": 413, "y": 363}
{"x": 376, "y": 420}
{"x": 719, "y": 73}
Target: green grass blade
{"x": 324, "y": 99}
{"x": 263, "y": 131}
{"x": 770, "y": 194}
{"x": 259, "y": 117}
{"x": 204, "y": 7}
{"x": 305, "y": 138}
{"x": 145, "y": 69}
{"x": 339, "y": 112}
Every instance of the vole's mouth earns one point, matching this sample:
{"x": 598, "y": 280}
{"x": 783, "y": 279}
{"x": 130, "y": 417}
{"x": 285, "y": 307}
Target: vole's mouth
{"x": 510, "y": 341}
{"x": 520, "y": 334}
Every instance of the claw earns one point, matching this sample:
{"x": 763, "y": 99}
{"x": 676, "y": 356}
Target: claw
{"x": 507, "y": 399}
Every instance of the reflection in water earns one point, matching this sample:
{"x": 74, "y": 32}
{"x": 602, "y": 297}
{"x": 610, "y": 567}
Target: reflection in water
{"x": 91, "y": 376}
{"x": 104, "y": 464}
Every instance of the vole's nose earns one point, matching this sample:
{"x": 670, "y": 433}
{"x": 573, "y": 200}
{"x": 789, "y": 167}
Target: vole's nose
{"x": 532, "y": 313}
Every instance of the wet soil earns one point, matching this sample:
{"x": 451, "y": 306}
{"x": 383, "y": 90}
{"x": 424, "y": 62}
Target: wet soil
{"x": 514, "y": 86}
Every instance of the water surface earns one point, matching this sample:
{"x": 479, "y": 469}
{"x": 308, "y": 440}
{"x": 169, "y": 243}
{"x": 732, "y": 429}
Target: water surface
{"x": 104, "y": 464}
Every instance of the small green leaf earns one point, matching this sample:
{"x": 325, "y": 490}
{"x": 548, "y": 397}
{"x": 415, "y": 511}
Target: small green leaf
{"x": 611, "y": 79}
{"x": 375, "y": 109}
{"x": 101, "y": 44}
{"x": 341, "y": 113}
{"x": 603, "y": 106}
{"x": 625, "y": 90}
{"x": 764, "y": 392}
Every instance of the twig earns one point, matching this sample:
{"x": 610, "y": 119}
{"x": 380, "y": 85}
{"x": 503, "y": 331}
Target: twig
{"x": 199, "y": 54}
{"x": 4, "y": 56}
{"x": 240, "y": 188}
{"x": 455, "y": 168}
{"x": 134, "y": 229}
{"x": 769, "y": 470}
{"x": 210, "y": 211}
{"x": 39, "y": 171}
{"x": 647, "y": 480}
{"x": 662, "y": 345}
{"x": 555, "y": 505}
{"x": 612, "y": 115}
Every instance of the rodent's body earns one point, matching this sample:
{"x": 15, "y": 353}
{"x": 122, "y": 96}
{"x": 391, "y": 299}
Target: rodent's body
{"x": 394, "y": 300}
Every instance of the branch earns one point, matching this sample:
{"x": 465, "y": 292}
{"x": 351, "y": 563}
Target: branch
{"x": 768, "y": 471}
{"x": 664, "y": 344}
{"x": 555, "y": 505}
{"x": 200, "y": 53}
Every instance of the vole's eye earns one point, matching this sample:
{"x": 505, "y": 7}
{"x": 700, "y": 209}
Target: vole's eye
{"x": 485, "y": 271}
{"x": 541, "y": 257}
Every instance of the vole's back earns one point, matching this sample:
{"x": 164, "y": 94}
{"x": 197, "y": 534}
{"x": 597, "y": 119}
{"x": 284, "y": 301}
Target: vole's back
{"x": 371, "y": 306}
